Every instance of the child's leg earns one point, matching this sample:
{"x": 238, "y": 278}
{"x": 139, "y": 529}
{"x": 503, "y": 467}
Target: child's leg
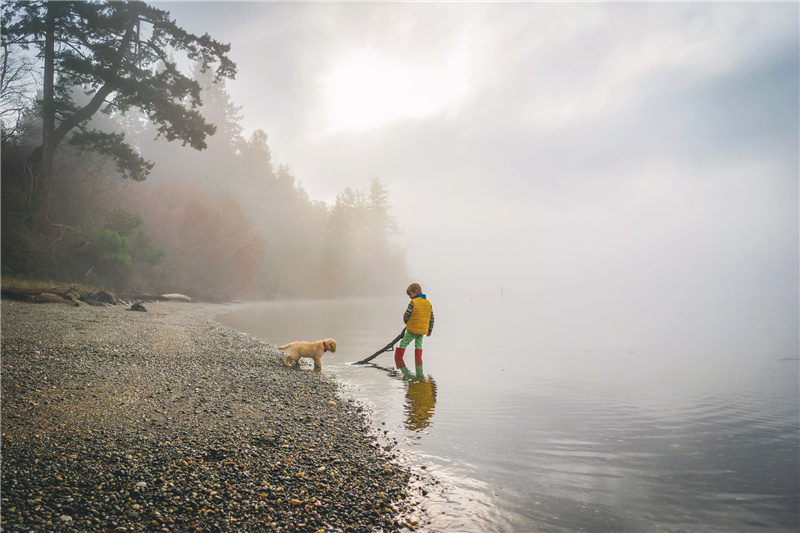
{"x": 418, "y": 352}
{"x": 406, "y": 340}
{"x": 400, "y": 351}
{"x": 398, "y": 357}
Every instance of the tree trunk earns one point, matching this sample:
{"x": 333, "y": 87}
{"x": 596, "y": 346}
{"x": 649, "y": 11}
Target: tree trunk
{"x": 45, "y": 168}
{"x": 41, "y": 159}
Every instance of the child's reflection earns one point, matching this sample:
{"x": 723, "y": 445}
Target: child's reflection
{"x": 420, "y": 397}
{"x": 420, "y": 401}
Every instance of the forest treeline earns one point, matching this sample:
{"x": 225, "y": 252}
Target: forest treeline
{"x": 209, "y": 214}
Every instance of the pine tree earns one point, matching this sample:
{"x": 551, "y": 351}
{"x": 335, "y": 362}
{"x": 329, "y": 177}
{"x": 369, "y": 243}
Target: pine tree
{"x": 121, "y": 54}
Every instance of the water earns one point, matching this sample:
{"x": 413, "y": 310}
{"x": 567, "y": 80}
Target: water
{"x": 522, "y": 426}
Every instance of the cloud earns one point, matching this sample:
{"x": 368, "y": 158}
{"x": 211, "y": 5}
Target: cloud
{"x": 605, "y": 150}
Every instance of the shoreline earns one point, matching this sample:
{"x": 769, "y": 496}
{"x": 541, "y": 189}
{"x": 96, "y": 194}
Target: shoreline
{"x": 114, "y": 420}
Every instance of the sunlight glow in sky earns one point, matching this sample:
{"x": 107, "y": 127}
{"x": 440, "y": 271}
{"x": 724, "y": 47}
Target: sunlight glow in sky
{"x": 364, "y": 91}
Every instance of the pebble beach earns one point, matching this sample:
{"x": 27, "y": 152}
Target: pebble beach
{"x": 165, "y": 420}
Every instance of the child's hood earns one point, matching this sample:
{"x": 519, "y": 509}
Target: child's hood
{"x": 420, "y": 295}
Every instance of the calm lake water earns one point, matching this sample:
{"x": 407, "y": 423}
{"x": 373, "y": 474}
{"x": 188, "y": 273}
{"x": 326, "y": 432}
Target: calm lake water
{"x": 523, "y": 427}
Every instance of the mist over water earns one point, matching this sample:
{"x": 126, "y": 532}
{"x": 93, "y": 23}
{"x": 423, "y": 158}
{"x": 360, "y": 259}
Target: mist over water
{"x": 533, "y": 423}
{"x": 600, "y": 200}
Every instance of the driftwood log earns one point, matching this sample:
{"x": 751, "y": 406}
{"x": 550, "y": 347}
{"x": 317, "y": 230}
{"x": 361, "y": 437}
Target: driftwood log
{"x": 74, "y": 292}
{"x": 387, "y": 348}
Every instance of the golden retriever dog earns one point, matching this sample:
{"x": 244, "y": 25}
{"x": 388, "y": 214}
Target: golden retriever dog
{"x": 314, "y": 350}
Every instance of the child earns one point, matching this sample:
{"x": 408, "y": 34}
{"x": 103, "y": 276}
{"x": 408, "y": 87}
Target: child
{"x": 419, "y": 321}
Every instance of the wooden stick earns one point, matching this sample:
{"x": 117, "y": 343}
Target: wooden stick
{"x": 387, "y": 348}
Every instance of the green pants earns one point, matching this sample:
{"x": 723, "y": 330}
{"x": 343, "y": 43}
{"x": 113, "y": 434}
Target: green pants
{"x": 408, "y": 337}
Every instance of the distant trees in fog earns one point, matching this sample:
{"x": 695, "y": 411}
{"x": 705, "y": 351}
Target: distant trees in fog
{"x": 222, "y": 222}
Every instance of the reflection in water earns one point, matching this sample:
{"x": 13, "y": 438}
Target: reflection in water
{"x": 420, "y": 397}
{"x": 420, "y": 401}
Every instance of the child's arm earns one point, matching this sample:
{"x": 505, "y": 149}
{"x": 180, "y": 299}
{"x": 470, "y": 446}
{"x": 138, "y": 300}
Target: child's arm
{"x": 430, "y": 325}
{"x": 407, "y": 314}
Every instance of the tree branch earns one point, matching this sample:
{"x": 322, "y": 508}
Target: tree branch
{"x": 86, "y": 112}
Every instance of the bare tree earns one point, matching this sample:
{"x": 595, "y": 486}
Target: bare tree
{"x": 18, "y": 84}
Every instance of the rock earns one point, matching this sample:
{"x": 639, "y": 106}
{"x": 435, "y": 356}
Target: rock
{"x": 138, "y": 307}
{"x": 100, "y": 298}
{"x": 50, "y": 298}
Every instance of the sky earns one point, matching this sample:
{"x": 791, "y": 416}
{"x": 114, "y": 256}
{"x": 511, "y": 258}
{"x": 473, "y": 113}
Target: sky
{"x": 589, "y": 157}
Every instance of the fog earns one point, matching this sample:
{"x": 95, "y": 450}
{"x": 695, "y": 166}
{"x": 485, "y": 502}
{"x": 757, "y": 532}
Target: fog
{"x": 634, "y": 165}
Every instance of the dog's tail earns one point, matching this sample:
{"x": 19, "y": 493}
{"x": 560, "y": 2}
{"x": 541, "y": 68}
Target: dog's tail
{"x": 285, "y": 346}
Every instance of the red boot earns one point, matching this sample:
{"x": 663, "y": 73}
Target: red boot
{"x": 398, "y": 357}
{"x": 418, "y": 363}
{"x": 398, "y": 361}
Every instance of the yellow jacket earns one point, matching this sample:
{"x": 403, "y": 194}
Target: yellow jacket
{"x": 419, "y": 316}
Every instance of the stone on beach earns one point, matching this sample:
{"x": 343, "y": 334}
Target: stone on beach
{"x": 167, "y": 421}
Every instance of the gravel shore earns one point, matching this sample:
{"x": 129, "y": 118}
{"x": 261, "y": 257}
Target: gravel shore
{"x": 117, "y": 420}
